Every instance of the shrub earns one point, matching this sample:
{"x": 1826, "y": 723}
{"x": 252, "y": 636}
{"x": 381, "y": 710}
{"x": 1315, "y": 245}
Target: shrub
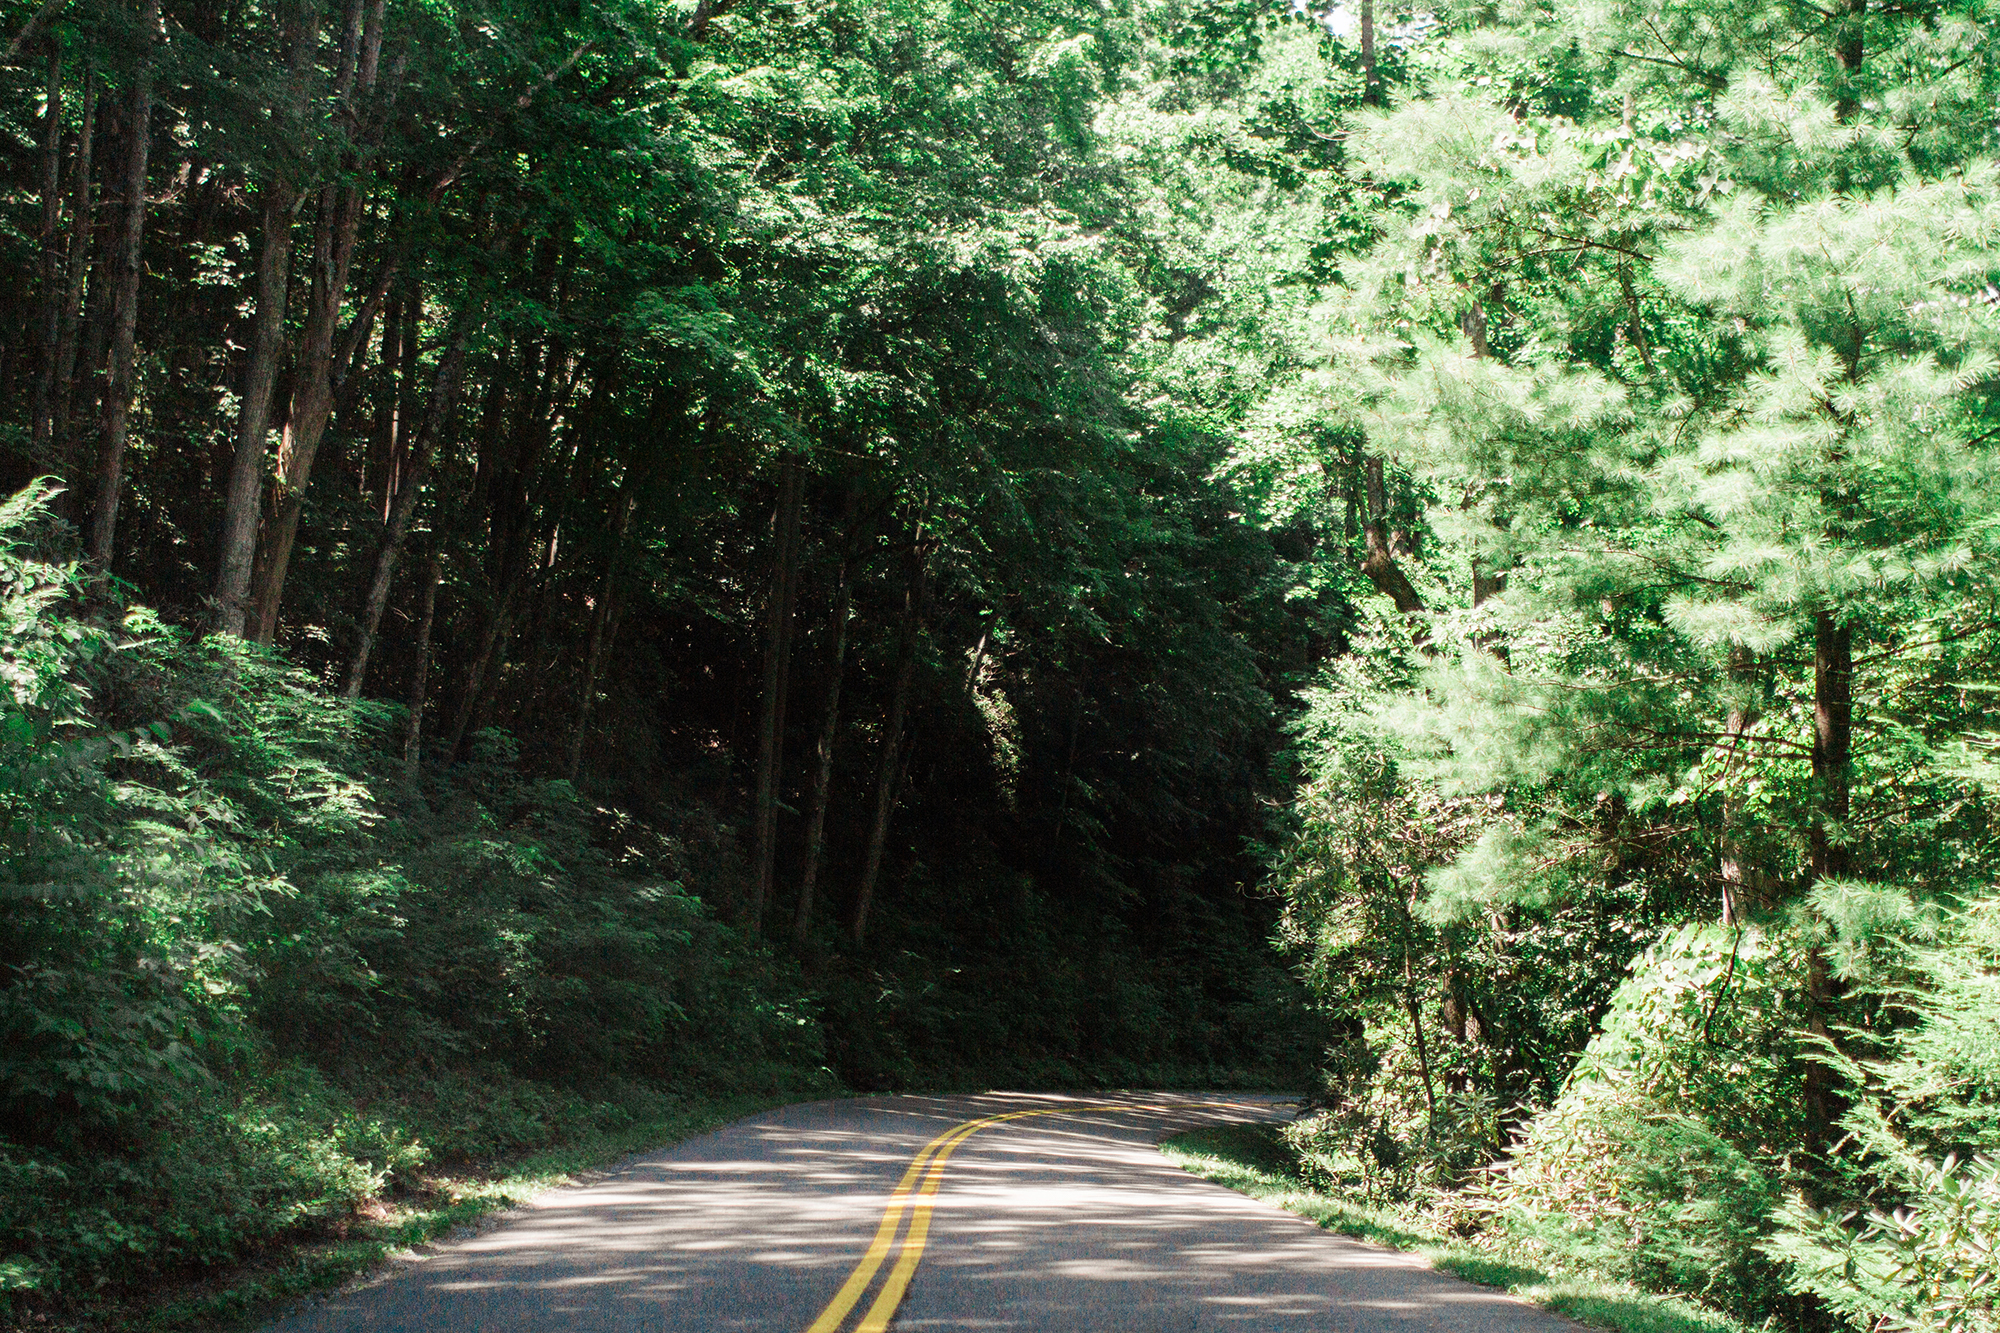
{"x": 253, "y": 974}
{"x": 1659, "y": 1163}
{"x": 1917, "y": 1245}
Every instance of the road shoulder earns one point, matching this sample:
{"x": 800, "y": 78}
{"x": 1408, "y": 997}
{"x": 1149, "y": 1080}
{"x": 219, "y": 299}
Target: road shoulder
{"x": 1247, "y": 1159}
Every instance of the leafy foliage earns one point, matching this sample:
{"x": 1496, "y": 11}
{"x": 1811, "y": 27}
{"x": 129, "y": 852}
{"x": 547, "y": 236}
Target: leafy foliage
{"x": 228, "y": 913}
{"x": 1920, "y": 1247}
{"x": 1661, "y": 1159}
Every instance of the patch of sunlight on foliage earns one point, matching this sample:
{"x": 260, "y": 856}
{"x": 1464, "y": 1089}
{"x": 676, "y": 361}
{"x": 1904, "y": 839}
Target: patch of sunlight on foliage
{"x": 259, "y": 981}
{"x": 447, "y": 1203}
{"x": 1915, "y": 1246}
{"x": 1256, "y": 1160}
{"x": 1658, "y": 1164}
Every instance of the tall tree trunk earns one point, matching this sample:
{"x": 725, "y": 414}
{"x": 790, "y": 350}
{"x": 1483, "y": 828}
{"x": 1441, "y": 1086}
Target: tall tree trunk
{"x": 889, "y": 764}
{"x": 1487, "y": 582}
{"x": 1637, "y": 326}
{"x": 517, "y": 541}
{"x": 1380, "y": 563}
{"x": 335, "y": 230}
{"x": 498, "y": 625}
{"x": 1851, "y": 48}
{"x": 489, "y": 655}
{"x": 778, "y": 610}
{"x": 489, "y": 660}
{"x": 305, "y": 423}
{"x": 242, "y": 506}
{"x": 382, "y": 468}
{"x": 600, "y": 637}
{"x": 822, "y": 781}
{"x": 1472, "y": 323}
{"x": 1416, "y": 1016}
{"x": 77, "y": 268}
{"x": 1833, "y": 733}
{"x": 1832, "y": 754}
{"x": 443, "y": 402}
{"x": 41, "y": 414}
{"x": 121, "y": 372}
{"x": 87, "y": 390}
{"x": 1742, "y": 884}
{"x": 420, "y": 674}
{"x": 1371, "y": 82}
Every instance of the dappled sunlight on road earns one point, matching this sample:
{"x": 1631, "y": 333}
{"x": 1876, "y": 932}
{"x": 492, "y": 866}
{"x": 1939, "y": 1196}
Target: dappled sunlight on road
{"x": 1057, "y": 1222}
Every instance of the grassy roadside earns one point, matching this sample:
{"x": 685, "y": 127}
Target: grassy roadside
{"x": 446, "y": 1202}
{"x": 1252, "y": 1159}
{"x": 471, "y": 1177}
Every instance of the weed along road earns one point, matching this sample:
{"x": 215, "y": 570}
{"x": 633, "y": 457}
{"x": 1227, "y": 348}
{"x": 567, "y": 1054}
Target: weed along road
{"x": 1006, "y": 1211}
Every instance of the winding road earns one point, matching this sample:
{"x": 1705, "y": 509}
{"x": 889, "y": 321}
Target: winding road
{"x": 1006, "y": 1211}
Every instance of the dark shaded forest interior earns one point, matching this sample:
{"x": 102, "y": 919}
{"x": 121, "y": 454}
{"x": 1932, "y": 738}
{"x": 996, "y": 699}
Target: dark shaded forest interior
{"x": 567, "y": 559}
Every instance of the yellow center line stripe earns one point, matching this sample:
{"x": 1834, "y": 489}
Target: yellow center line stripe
{"x": 864, "y": 1272}
{"x": 935, "y": 1154}
{"x": 891, "y": 1296}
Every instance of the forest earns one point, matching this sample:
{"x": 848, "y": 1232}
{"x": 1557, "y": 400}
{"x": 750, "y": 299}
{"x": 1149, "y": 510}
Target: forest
{"x": 563, "y": 559}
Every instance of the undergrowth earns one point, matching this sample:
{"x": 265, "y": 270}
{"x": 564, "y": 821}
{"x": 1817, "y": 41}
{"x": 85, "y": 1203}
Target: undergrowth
{"x": 275, "y": 998}
{"x": 434, "y": 1205}
{"x": 1256, "y": 1160}
{"x": 266, "y": 989}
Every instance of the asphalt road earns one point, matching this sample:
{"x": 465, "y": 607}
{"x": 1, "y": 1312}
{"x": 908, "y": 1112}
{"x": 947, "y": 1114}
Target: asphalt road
{"x": 1007, "y": 1211}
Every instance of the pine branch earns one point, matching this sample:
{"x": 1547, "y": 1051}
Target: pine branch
{"x": 1889, "y": 654}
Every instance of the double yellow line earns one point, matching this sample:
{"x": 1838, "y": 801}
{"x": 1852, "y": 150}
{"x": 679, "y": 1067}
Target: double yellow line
{"x": 927, "y": 1167}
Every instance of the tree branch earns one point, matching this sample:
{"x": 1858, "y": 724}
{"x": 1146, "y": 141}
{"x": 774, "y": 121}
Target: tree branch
{"x": 705, "y": 13}
{"x": 27, "y": 33}
{"x": 521, "y": 103}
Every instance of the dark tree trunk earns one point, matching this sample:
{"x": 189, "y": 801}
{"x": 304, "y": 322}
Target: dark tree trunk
{"x": 413, "y": 733}
{"x": 242, "y": 506}
{"x": 1371, "y": 82}
{"x": 335, "y": 230}
{"x": 1488, "y": 583}
{"x": 1832, "y": 752}
{"x": 444, "y": 401}
{"x": 41, "y": 415}
{"x": 1473, "y": 325}
{"x": 482, "y": 673}
{"x": 888, "y": 766}
{"x": 1851, "y": 48}
{"x": 779, "y": 606}
{"x": 1380, "y": 563}
{"x": 1833, "y": 730}
{"x": 88, "y": 388}
{"x": 1741, "y": 883}
{"x": 1422, "y": 1046}
{"x": 63, "y": 439}
{"x": 121, "y": 372}
{"x": 600, "y": 637}
{"x": 378, "y": 467}
{"x": 1638, "y": 328}
{"x": 822, "y": 781}
{"x": 517, "y": 541}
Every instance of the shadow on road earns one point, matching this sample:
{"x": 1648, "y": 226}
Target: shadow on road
{"x": 1070, "y": 1222}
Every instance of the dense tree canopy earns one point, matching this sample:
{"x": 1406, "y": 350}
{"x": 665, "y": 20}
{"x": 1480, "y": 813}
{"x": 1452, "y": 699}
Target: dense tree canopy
{"x": 904, "y": 541}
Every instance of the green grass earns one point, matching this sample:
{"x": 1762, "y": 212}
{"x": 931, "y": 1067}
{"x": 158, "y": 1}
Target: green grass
{"x": 255, "y": 1293}
{"x": 1254, "y": 1160}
